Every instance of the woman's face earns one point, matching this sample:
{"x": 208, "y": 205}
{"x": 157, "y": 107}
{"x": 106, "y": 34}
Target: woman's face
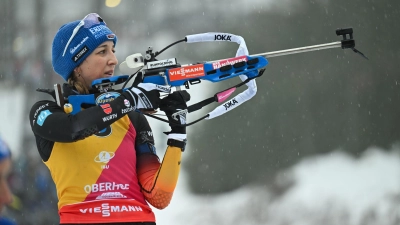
{"x": 5, "y": 193}
{"x": 99, "y": 64}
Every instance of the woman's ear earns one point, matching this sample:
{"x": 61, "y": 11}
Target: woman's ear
{"x": 77, "y": 72}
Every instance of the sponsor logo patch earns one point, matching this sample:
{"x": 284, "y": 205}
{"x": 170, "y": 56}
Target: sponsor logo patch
{"x": 106, "y": 108}
{"x": 222, "y": 37}
{"x": 99, "y": 31}
{"x": 127, "y": 103}
{"x": 109, "y": 195}
{"x": 106, "y": 210}
{"x": 42, "y": 117}
{"x": 231, "y": 61}
{"x": 72, "y": 50}
{"x": 110, "y": 117}
{"x": 106, "y": 97}
{"x": 105, "y": 186}
{"x": 126, "y": 110}
{"x": 230, "y": 104}
{"x": 37, "y": 111}
{"x": 111, "y": 36}
{"x": 186, "y": 72}
{"x": 81, "y": 53}
{"x": 104, "y": 157}
{"x": 146, "y": 102}
{"x": 163, "y": 88}
{"x": 161, "y": 63}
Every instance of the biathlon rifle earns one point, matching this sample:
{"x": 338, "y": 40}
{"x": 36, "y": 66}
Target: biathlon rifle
{"x": 169, "y": 72}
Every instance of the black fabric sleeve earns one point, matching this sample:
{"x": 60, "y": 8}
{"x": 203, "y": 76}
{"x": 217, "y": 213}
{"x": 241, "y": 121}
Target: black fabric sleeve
{"x": 49, "y": 121}
{"x": 144, "y": 134}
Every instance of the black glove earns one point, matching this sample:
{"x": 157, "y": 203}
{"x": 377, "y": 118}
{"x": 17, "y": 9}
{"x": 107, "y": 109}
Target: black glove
{"x": 147, "y": 95}
{"x": 174, "y": 106}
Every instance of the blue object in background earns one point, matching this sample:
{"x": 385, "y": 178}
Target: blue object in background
{"x": 4, "y": 221}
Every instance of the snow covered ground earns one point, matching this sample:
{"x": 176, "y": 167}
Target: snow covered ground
{"x": 328, "y": 189}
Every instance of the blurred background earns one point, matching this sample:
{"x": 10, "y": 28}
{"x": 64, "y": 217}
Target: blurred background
{"x": 318, "y": 144}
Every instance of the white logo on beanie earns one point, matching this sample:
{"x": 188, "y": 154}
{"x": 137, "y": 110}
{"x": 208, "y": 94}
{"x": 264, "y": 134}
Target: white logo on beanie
{"x": 72, "y": 50}
{"x": 99, "y": 31}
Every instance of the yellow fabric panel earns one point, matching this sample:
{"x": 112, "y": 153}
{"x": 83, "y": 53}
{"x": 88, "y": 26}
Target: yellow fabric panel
{"x": 73, "y": 165}
{"x": 169, "y": 170}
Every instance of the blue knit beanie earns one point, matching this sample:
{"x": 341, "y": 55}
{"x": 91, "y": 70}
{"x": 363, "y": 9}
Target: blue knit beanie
{"x": 4, "y": 150}
{"x": 86, "y": 40}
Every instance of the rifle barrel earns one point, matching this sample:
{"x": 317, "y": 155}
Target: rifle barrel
{"x": 291, "y": 51}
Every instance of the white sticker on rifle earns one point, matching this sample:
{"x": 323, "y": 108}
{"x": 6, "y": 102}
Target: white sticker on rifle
{"x": 161, "y": 63}
{"x": 231, "y": 61}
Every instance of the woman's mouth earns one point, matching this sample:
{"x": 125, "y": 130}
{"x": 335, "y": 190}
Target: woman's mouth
{"x": 109, "y": 73}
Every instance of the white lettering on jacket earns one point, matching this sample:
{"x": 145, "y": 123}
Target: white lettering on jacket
{"x": 105, "y": 209}
{"x": 110, "y": 117}
{"x": 105, "y": 186}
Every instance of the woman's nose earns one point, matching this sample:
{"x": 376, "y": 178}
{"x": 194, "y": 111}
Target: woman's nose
{"x": 113, "y": 60}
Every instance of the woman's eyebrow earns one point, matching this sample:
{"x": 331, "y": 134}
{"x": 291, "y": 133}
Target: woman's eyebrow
{"x": 105, "y": 46}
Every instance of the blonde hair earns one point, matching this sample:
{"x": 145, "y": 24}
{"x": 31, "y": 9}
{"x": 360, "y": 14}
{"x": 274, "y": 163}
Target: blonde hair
{"x": 75, "y": 82}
